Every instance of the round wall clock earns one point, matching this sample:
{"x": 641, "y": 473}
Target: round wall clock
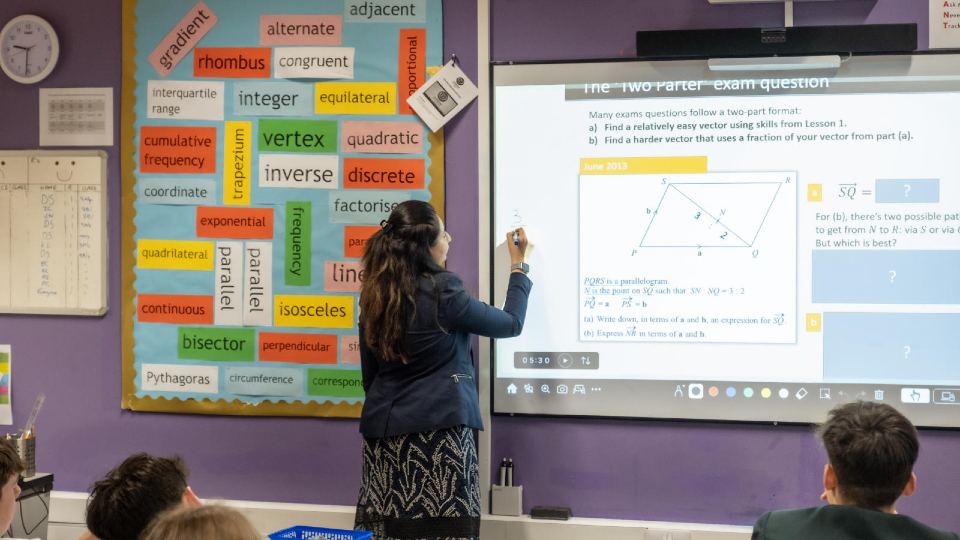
{"x": 29, "y": 49}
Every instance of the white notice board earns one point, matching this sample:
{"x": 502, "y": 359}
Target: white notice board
{"x": 53, "y": 232}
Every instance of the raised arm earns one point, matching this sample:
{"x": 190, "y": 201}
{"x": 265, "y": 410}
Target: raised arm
{"x": 460, "y": 311}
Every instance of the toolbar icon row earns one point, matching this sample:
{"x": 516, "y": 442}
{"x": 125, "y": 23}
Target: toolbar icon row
{"x": 560, "y": 389}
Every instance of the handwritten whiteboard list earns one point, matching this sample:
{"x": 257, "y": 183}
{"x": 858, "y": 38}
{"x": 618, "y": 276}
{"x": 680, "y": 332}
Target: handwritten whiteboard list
{"x": 53, "y": 226}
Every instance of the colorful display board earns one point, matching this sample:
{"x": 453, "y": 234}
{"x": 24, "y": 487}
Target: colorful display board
{"x": 267, "y": 142}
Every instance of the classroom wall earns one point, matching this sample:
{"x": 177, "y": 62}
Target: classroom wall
{"x": 720, "y": 473}
{"x": 625, "y": 469}
{"x": 76, "y": 360}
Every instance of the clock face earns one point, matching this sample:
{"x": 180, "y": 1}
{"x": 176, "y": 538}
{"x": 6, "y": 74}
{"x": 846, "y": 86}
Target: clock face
{"x": 28, "y": 49}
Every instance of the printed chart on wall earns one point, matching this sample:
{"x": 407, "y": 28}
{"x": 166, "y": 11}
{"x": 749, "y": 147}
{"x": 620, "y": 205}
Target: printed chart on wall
{"x": 269, "y": 141}
{"x": 53, "y": 232}
{"x": 6, "y": 408}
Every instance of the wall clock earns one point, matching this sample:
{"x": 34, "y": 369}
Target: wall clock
{"x": 29, "y": 49}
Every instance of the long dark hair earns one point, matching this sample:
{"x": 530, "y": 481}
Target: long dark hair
{"x": 394, "y": 259}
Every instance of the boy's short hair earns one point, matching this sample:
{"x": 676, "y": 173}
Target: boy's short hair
{"x": 123, "y": 502}
{"x": 872, "y": 448}
{"x": 10, "y": 462}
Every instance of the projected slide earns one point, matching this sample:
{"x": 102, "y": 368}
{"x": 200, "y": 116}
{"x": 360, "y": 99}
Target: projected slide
{"x": 709, "y": 212}
{"x": 653, "y": 283}
{"x": 731, "y": 246}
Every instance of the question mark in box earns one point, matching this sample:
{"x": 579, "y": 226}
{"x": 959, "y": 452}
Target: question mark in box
{"x": 906, "y": 352}
{"x": 906, "y": 191}
{"x": 893, "y": 274}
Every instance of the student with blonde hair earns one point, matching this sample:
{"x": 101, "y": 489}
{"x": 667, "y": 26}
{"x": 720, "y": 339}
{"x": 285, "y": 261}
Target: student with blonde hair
{"x": 211, "y": 522}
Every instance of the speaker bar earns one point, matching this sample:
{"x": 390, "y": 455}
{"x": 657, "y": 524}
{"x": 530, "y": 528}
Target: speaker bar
{"x": 798, "y": 40}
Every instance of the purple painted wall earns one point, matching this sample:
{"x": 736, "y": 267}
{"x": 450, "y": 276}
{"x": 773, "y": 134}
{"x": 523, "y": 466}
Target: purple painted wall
{"x": 643, "y": 470}
{"x": 76, "y": 361}
{"x": 719, "y": 473}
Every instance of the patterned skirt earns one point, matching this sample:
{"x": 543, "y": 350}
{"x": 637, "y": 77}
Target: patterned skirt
{"x": 421, "y": 486}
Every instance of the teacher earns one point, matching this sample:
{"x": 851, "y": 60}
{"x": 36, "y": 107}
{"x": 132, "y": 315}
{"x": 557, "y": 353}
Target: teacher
{"x": 420, "y": 471}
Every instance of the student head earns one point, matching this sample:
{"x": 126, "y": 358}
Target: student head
{"x": 201, "y": 523}
{"x": 123, "y": 502}
{"x": 411, "y": 242}
{"x": 10, "y": 469}
{"x": 871, "y": 449}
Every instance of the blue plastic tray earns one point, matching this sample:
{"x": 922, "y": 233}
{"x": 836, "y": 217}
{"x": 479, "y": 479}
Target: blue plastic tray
{"x": 304, "y": 532}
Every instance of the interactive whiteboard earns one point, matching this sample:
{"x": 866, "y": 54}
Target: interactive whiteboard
{"x": 741, "y": 245}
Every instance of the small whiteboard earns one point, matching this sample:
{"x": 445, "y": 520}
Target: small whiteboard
{"x": 53, "y": 232}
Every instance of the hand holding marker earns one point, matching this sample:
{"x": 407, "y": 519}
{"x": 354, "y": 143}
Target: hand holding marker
{"x": 516, "y": 244}
{"x": 517, "y": 238}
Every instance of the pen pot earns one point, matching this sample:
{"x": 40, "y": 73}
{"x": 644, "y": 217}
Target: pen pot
{"x": 27, "y": 450}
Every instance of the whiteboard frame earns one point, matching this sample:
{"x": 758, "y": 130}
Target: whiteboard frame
{"x": 104, "y": 210}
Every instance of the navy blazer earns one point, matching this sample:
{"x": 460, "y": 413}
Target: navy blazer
{"x": 436, "y": 389}
{"x": 842, "y": 522}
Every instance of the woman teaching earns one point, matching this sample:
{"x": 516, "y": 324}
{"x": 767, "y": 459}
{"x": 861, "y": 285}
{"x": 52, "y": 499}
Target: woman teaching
{"x": 421, "y": 412}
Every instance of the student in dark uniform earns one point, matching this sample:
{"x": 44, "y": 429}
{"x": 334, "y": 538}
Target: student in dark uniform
{"x": 871, "y": 449}
{"x": 122, "y": 503}
{"x": 421, "y": 411}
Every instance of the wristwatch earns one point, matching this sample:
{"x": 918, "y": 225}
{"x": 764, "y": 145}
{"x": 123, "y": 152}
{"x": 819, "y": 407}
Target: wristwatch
{"x": 521, "y": 266}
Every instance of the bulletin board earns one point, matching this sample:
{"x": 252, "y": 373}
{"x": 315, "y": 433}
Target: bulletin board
{"x": 53, "y": 232}
{"x": 265, "y": 140}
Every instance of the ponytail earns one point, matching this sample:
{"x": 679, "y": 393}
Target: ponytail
{"x": 394, "y": 259}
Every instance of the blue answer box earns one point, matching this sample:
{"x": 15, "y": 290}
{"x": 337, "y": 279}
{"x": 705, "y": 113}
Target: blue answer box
{"x": 913, "y": 190}
{"x": 891, "y": 348}
{"x": 865, "y": 276}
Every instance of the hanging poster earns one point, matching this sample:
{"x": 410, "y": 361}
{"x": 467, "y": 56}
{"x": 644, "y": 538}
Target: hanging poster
{"x": 6, "y": 407}
{"x": 266, "y": 140}
{"x": 944, "y": 24}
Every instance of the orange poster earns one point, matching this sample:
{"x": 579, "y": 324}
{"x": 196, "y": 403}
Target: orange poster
{"x": 175, "y": 308}
{"x": 169, "y": 149}
{"x": 355, "y": 238}
{"x": 383, "y": 173}
{"x": 413, "y": 65}
{"x": 243, "y": 223}
{"x": 298, "y": 348}
{"x": 232, "y": 62}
